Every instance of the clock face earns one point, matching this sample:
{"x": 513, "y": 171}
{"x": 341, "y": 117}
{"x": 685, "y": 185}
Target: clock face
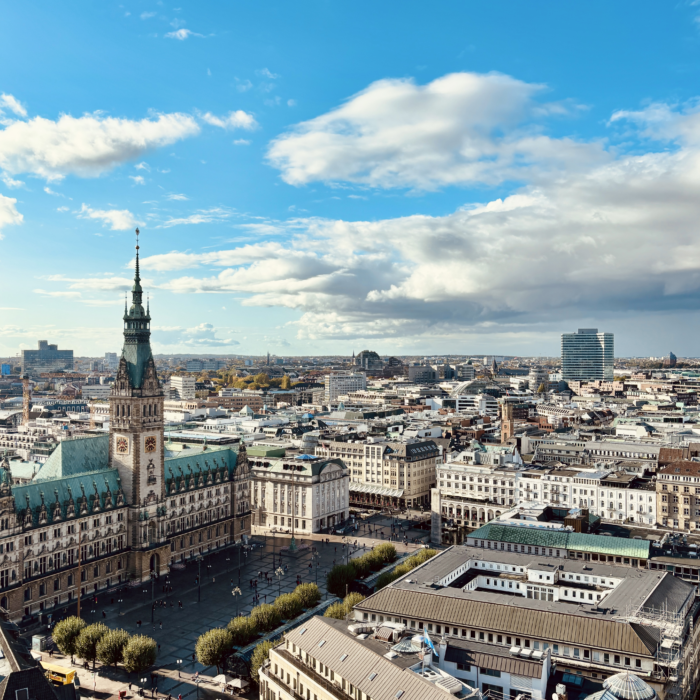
{"x": 122, "y": 445}
{"x": 150, "y": 444}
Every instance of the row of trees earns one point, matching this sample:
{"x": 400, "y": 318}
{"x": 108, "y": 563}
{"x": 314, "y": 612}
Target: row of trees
{"x": 96, "y": 642}
{"x": 214, "y": 647}
{"x": 411, "y": 563}
{"x": 343, "y": 575}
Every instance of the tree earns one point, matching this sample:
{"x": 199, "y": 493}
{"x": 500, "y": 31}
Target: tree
{"x": 262, "y": 379}
{"x": 213, "y": 647}
{"x": 308, "y": 594}
{"x": 242, "y": 630}
{"x": 66, "y": 633}
{"x": 110, "y": 649}
{"x": 86, "y": 644}
{"x": 337, "y": 611}
{"x": 139, "y": 653}
{"x": 541, "y": 389}
{"x": 286, "y": 382}
{"x": 351, "y": 600}
{"x": 265, "y": 617}
{"x": 261, "y": 654}
{"x": 339, "y": 577}
{"x": 288, "y": 605}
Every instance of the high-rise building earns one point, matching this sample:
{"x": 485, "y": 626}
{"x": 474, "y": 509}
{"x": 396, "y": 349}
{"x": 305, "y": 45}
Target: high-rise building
{"x": 670, "y": 360}
{"x": 340, "y": 383}
{"x": 183, "y": 387}
{"x": 587, "y": 354}
{"x": 47, "y": 358}
{"x": 111, "y": 360}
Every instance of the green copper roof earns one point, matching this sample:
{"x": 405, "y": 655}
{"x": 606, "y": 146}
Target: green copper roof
{"x": 137, "y": 357}
{"x": 213, "y": 457}
{"x": 91, "y": 485}
{"x": 573, "y": 541}
{"x": 76, "y": 456}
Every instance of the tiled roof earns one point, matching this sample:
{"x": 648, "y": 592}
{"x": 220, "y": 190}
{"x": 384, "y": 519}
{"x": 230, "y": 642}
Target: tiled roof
{"x": 76, "y": 456}
{"x": 213, "y": 457}
{"x": 509, "y": 619}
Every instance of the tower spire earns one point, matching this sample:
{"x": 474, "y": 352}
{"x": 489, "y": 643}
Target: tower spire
{"x": 137, "y": 278}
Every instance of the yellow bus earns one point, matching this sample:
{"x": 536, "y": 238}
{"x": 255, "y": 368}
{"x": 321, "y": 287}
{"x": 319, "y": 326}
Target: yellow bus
{"x": 58, "y": 675}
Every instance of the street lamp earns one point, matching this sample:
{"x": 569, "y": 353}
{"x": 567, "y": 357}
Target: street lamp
{"x": 235, "y": 593}
{"x": 179, "y": 666}
{"x": 315, "y": 555}
{"x": 279, "y": 572}
{"x": 153, "y": 592}
{"x": 143, "y": 685}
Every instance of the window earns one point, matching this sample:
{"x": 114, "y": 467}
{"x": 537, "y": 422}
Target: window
{"x": 490, "y": 672}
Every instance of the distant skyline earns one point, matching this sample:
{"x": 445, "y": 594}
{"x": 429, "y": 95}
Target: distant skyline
{"x": 315, "y": 178}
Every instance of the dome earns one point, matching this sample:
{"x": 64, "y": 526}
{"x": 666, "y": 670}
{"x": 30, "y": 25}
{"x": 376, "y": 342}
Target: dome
{"x": 624, "y": 686}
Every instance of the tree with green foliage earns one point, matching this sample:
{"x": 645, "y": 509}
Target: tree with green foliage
{"x": 286, "y": 382}
{"x": 86, "y": 644}
{"x": 339, "y": 577}
{"x": 110, "y": 649}
{"x": 340, "y": 610}
{"x": 262, "y": 379}
{"x": 308, "y": 594}
{"x": 411, "y": 563}
{"x": 337, "y": 611}
{"x": 288, "y": 605}
{"x": 66, "y": 633}
{"x": 139, "y": 653}
{"x": 242, "y": 630}
{"x": 213, "y": 647}
{"x": 261, "y": 654}
{"x": 265, "y": 617}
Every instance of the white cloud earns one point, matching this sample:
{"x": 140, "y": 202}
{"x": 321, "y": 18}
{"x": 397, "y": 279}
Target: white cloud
{"x": 181, "y": 34}
{"x": 243, "y": 85}
{"x": 201, "y": 336}
{"x": 203, "y": 216}
{"x": 116, "y": 219}
{"x": 107, "y": 283}
{"x": 147, "y": 15}
{"x": 177, "y": 197}
{"x": 241, "y": 142}
{"x": 13, "y": 104}
{"x": 266, "y": 73}
{"x": 143, "y": 166}
{"x": 8, "y": 212}
{"x": 64, "y": 294}
{"x": 138, "y": 179}
{"x": 233, "y": 120}
{"x": 460, "y": 129}
{"x": 9, "y": 182}
{"x": 62, "y": 209}
{"x": 86, "y": 146}
{"x": 291, "y": 103}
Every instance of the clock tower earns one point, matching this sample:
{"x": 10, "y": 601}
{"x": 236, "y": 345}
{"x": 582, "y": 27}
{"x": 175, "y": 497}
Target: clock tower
{"x": 136, "y": 447}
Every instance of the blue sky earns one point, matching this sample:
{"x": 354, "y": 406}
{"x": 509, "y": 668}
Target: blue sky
{"x": 321, "y": 177}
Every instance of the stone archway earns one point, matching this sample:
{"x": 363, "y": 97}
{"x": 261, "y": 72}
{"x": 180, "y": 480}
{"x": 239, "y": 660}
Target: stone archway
{"x": 155, "y": 563}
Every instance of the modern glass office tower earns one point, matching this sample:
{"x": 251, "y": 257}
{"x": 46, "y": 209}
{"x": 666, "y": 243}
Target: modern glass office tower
{"x": 587, "y": 355}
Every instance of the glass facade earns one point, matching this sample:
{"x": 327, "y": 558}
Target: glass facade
{"x": 587, "y": 355}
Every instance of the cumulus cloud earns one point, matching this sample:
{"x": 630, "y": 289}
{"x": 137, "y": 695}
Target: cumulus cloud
{"x": 86, "y": 146}
{"x": 460, "y": 129}
{"x": 116, "y": 219}
{"x": 617, "y": 240}
{"x": 8, "y": 213}
{"x": 177, "y": 197}
{"x": 233, "y": 120}
{"x": 9, "y": 182}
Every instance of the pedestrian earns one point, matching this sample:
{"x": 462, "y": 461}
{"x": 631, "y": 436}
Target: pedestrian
{"x": 179, "y": 602}
{"x": 159, "y": 647}
{"x": 161, "y": 625}
{"x": 104, "y": 614}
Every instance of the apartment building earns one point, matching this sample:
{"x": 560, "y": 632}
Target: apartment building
{"x": 385, "y": 473}
{"x": 595, "y": 620}
{"x": 678, "y": 495}
{"x": 479, "y": 404}
{"x": 182, "y": 387}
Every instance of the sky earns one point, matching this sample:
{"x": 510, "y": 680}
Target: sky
{"x": 321, "y": 177}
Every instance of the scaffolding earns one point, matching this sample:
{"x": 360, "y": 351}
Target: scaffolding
{"x": 675, "y": 664}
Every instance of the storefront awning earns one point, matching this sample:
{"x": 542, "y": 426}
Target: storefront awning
{"x": 373, "y": 489}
